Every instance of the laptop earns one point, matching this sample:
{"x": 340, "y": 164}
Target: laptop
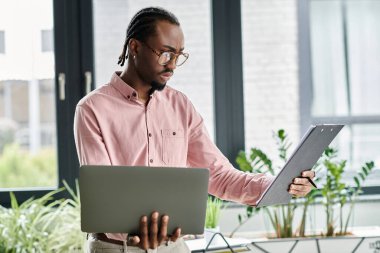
{"x": 113, "y": 198}
{"x": 305, "y": 156}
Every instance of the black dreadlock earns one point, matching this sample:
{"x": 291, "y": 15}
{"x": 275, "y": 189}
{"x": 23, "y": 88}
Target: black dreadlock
{"x": 142, "y": 25}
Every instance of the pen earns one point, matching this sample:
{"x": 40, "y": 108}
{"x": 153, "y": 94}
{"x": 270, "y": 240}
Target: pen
{"x": 311, "y": 182}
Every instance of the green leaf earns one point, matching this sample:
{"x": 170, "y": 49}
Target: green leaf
{"x": 364, "y": 169}
{"x": 281, "y": 134}
{"x": 357, "y": 182}
{"x": 249, "y": 211}
{"x": 263, "y": 158}
{"x": 14, "y": 203}
{"x": 370, "y": 165}
{"x": 213, "y": 212}
{"x": 243, "y": 163}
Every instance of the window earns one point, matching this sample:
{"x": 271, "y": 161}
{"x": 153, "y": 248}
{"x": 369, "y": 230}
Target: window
{"x": 47, "y": 41}
{"x": 344, "y": 47}
{"x": 28, "y": 151}
{"x": 2, "y": 42}
{"x": 37, "y": 150}
{"x": 194, "y": 78}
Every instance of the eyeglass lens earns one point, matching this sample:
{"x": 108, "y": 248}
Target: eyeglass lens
{"x": 166, "y": 57}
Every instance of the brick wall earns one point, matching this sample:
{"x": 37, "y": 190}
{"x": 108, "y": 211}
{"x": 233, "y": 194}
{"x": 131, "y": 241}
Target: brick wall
{"x": 270, "y": 59}
{"x": 194, "y": 78}
{"x": 270, "y": 71}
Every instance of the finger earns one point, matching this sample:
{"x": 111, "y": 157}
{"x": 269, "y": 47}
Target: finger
{"x": 308, "y": 173}
{"x": 176, "y": 234}
{"x": 300, "y": 188}
{"x": 301, "y": 181}
{"x": 133, "y": 240}
{"x": 296, "y": 193}
{"x": 144, "y": 237}
{"x": 153, "y": 230}
{"x": 164, "y": 229}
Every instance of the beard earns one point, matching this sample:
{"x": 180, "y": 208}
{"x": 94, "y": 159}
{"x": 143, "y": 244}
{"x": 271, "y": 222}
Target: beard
{"x": 156, "y": 86}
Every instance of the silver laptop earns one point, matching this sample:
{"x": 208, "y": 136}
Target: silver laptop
{"x": 113, "y": 198}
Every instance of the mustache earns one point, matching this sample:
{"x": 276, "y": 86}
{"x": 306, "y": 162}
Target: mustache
{"x": 166, "y": 71}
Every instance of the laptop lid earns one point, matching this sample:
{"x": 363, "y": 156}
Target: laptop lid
{"x": 113, "y": 198}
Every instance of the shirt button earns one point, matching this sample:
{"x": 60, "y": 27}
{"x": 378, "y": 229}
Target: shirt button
{"x": 150, "y": 135}
{"x": 174, "y": 133}
{"x": 151, "y": 160}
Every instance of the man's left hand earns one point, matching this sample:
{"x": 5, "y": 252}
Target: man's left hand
{"x": 301, "y": 185}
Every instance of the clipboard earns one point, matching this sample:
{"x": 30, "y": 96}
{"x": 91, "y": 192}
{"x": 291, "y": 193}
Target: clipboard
{"x": 305, "y": 156}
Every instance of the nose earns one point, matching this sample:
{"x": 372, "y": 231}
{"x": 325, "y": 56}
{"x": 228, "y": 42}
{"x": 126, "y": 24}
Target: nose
{"x": 172, "y": 63}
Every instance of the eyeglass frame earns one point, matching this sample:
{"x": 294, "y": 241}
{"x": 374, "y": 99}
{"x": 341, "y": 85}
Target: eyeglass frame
{"x": 159, "y": 54}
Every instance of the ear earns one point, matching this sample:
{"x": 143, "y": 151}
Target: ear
{"x": 133, "y": 47}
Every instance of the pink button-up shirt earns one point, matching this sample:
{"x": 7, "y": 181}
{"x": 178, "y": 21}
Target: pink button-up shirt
{"x": 112, "y": 127}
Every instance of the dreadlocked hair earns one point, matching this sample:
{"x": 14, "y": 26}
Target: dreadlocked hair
{"x": 142, "y": 26}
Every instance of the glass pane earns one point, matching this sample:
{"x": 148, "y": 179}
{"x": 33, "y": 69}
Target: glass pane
{"x": 28, "y": 154}
{"x": 359, "y": 144}
{"x": 363, "y": 19}
{"x": 194, "y": 78}
{"x": 330, "y": 84}
{"x": 270, "y": 72}
{"x": 327, "y": 59}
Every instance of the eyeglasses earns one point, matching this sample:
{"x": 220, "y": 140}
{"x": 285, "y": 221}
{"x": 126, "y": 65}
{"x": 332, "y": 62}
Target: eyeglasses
{"x": 165, "y": 57}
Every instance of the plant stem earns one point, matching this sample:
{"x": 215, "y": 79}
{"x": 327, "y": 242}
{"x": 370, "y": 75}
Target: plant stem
{"x": 303, "y": 220}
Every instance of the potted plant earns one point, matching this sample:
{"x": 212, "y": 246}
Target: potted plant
{"x": 334, "y": 195}
{"x": 214, "y": 206}
{"x": 281, "y": 216}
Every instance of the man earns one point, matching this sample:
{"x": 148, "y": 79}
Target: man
{"x": 136, "y": 119}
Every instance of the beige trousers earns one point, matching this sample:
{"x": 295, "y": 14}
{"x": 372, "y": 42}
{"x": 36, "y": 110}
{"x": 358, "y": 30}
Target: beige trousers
{"x": 96, "y": 246}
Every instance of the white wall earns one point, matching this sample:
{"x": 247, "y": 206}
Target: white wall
{"x": 270, "y": 71}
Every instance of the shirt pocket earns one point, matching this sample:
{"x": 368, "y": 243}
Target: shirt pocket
{"x": 174, "y": 150}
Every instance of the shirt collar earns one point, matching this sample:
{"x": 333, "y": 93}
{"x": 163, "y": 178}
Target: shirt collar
{"x": 125, "y": 89}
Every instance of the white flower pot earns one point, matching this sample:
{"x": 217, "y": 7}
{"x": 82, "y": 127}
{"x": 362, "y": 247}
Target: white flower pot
{"x": 217, "y": 240}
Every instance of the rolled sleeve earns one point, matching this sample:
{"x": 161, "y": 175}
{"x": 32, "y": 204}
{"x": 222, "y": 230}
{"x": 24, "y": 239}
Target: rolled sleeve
{"x": 225, "y": 182}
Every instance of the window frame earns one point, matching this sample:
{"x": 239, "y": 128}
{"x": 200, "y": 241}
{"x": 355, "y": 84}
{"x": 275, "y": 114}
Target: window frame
{"x": 73, "y": 48}
{"x": 306, "y": 81}
{"x": 228, "y": 77}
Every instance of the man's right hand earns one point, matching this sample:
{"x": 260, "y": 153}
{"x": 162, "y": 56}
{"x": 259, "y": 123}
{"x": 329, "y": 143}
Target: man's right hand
{"x": 152, "y": 237}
